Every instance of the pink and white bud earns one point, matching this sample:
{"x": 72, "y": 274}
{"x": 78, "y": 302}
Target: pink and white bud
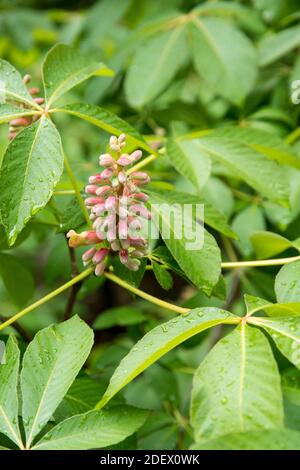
{"x": 123, "y": 229}
{"x": 141, "y": 197}
{"x": 75, "y": 239}
{"x": 34, "y": 91}
{"x": 99, "y": 209}
{"x": 122, "y": 177}
{"x": 99, "y": 269}
{"x": 39, "y": 100}
{"x": 139, "y": 175}
{"x": 91, "y": 201}
{"x": 123, "y": 255}
{"x": 95, "y": 179}
{"x": 91, "y": 237}
{"x": 100, "y": 255}
{"x": 91, "y": 189}
{"x": 111, "y": 234}
{"x": 22, "y": 121}
{"x": 137, "y": 241}
{"x": 106, "y": 160}
{"x": 103, "y": 190}
{"x": 107, "y": 173}
{"x": 121, "y": 138}
{"x": 111, "y": 204}
{"x": 26, "y": 79}
{"x": 88, "y": 255}
{"x": 124, "y": 160}
{"x": 136, "y": 155}
{"x": 140, "y": 210}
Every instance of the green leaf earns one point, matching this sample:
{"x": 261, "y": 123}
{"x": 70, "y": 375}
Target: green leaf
{"x": 31, "y": 167}
{"x": 291, "y": 385}
{"x": 237, "y": 387}
{"x": 224, "y": 57}
{"x": 16, "y": 278}
{"x": 12, "y": 87}
{"x": 50, "y": 365}
{"x": 201, "y": 265}
{"x": 190, "y": 161}
{"x": 245, "y": 223}
{"x": 66, "y": 67}
{"x": 9, "y": 373}
{"x": 266, "y": 176}
{"x": 9, "y": 112}
{"x": 285, "y": 331}
{"x": 106, "y": 120}
{"x": 256, "y": 304}
{"x": 119, "y": 316}
{"x": 277, "y": 439}
{"x": 268, "y": 244}
{"x": 163, "y": 277}
{"x": 154, "y": 66}
{"x": 72, "y": 217}
{"x": 161, "y": 340}
{"x": 287, "y": 283}
{"x": 273, "y": 47}
{"x": 95, "y": 429}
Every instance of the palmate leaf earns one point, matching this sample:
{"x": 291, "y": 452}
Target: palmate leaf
{"x": 268, "y": 244}
{"x": 31, "y": 167}
{"x": 16, "y": 278}
{"x": 285, "y": 331}
{"x": 154, "y": 66}
{"x": 224, "y": 57}
{"x": 268, "y": 177}
{"x": 9, "y": 373}
{"x": 237, "y": 387}
{"x": 277, "y": 439}
{"x": 106, "y": 120}
{"x": 287, "y": 283}
{"x": 50, "y": 365}
{"x": 94, "y": 429}
{"x": 201, "y": 265}
{"x": 65, "y": 67}
{"x": 9, "y": 112}
{"x": 161, "y": 340}
{"x": 12, "y": 87}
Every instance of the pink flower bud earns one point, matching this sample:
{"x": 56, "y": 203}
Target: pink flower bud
{"x": 91, "y": 237}
{"x": 111, "y": 234}
{"x": 136, "y": 155}
{"x": 122, "y": 177}
{"x": 20, "y": 122}
{"x": 123, "y": 255}
{"x": 88, "y": 255}
{"x": 111, "y": 203}
{"x": 99, "y": 269}
{"x": 134, "y": 224}
{"x": 141, "y": 197}
{"x": 121, "y": 138}
{"x": 140, "y": 210}
{"x": 100, "y": 255}
{"x": 109, "y": 222}
{"x": 91, "y": 189}
{"x": 39, "y": 100}
{"x": 106, "y": 160}
{"x": 113, "y": 140}
{"x": 75, "y": 239}
{"x": 141, "y": 182}
{"x": 95, "y": 179}
{"x": 91, "y": 201}
{"x": 26, "y": 78}
{"x": 123, "y": 229}
{"x": 107, "y": 173}
{"x": 139, "y": 175}
{"x": 34, "y": 91}
{"x": 99, "y": 209}
{"x": 103, "y": 190}
{"x": 115, "y": 245}
{"x": 124, "y": 160}
{"x": 137, "y": 241}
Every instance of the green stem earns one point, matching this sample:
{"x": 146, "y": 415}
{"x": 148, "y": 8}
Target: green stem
{"x": 143, "y": 163}
{"x": 64, "y": 192}
{"x": 144, "y": 295}
{"x": 77, "y": 190}
{"x": 47, "y": 297}
{"x": 293, "y": 136}
{"x": 259, "y": 263}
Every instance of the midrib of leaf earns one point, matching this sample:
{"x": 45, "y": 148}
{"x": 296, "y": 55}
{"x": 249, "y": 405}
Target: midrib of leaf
{"x": 29, "y": 440}
{"x": 69, "y": 79}
{"x": 21, "y": 98}
{"x": 242, "y": 377}
{"x": 159, "y": 64}
{"x": 11, "y": 428}
{"x": 160, "y": 352}
{"x": 8, "y": 117}
{"x": 212, "y": 42}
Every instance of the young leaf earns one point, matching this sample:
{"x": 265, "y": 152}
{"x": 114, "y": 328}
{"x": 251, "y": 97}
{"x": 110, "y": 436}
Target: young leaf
{"x": 9, "y": 373}
{"x": 65, "y": 67}
{"x": 95, "y": 429}
{"x": 106, "y": 120}
{"x": 163, "y": 277}
{"x": 161, "y": 340}
{"x": 201, "y": 265}
{"x": 268, "y": 244}
{"x": 154, "y": 66}
{"x": 31, "y": 167}
{"x": 50, "y": 365}
{"x": 190, "y": 161}
{"x": 12, "y": 87}
{"x": 16, "y": 278}
{"x": 224, "y": 57}
{"x": 266, "y": 176}
{"x": 287, "y": 283}
{"x": 285, "y": 332}
{"x": 247, "y": 221}
{"x": 277, "y": 439}
{"x": 237, "y": 387}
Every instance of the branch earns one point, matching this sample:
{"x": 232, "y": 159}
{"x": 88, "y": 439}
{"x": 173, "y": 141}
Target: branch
{"x": 75, "y": 288}
{"x": 260, "y": 263}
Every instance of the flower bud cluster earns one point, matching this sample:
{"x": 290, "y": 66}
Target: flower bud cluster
{"x": 117, "y": 208}
{"x": 18, "y": 124}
